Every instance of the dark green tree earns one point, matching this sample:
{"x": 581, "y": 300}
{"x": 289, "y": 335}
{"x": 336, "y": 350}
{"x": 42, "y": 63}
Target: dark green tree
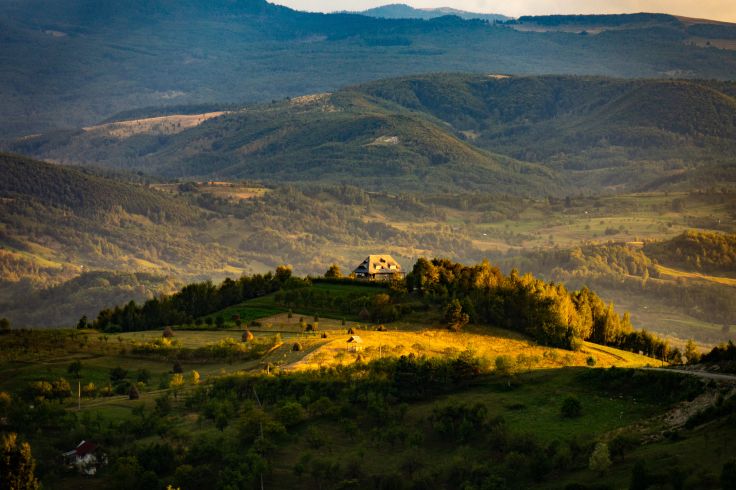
{"x": 75, "y": 368}
{"x": 455, "y": 317}
{"x": 571, "y": 407}
{"x": 83, "y": 323}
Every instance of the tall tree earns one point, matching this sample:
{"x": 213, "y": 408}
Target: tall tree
{"x": 17, "y": 465}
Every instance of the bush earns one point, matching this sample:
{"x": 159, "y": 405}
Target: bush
{"x": 505, "y": 365}
{"x": 572, "y": 408}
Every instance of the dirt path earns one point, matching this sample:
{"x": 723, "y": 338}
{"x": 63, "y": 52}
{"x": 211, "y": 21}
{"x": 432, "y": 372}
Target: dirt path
{"x": 728, "y": 378}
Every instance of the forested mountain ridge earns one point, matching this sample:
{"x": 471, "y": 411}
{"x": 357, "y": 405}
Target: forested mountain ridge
{"x": 66, "y": 220}
{"x": 82, "y": 192}
{"x": 403, "y": 11}
{"x": 101, "y": 58}
{"x": 523, "y": 135}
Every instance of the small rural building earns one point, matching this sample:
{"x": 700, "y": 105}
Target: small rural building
{"x": 355, "y": 344}
{"x": 379, "y": 268}
{"x": 86, "y": 458}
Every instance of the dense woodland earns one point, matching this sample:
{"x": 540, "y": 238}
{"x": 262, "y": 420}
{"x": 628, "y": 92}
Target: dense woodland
{"x": 522, "y": 135}
{"x": 698, "y": 251}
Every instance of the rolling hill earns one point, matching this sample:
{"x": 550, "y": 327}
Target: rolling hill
{"x": 450, "y": 132}
{"x": 104, "y": 57}
{"x": 403, "y": 11}
{"x": 58, "y": 222}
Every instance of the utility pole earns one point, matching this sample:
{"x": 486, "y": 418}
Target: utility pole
{"x": 79, "y": 394}
{"x": 260, "y": 425}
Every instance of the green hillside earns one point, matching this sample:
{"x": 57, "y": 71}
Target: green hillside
{"x": 452, "y": 132}
{"x": 84, "y": 193}
{"x": 341, "y": 138}
{"x": 597, "y": 132}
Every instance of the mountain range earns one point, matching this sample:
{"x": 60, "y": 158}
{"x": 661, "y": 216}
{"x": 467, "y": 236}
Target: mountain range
{"x": 74, "y": 63}
{"x": 523, "y": 135}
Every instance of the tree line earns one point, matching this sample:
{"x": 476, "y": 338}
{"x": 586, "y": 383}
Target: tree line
{"x": 546, "y": 311}
{"x": 193, "y": 301}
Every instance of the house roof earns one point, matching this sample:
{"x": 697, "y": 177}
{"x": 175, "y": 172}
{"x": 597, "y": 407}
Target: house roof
{"x": 378, "y": 264}
{"x": 85, "y": 447}
{"x": 355, "y": 339}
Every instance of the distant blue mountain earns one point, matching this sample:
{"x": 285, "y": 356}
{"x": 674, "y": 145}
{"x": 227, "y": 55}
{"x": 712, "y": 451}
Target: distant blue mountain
{"x": 403, "y": 11}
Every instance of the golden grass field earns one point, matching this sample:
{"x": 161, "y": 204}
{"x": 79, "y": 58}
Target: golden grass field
{"x": 486, "y": 343}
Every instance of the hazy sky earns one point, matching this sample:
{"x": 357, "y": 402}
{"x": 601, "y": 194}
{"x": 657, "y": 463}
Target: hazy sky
{"x": 709, "y": 9}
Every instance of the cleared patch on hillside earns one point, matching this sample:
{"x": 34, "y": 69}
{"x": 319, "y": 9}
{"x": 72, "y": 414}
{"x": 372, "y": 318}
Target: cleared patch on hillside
{"x": 163, "y": 125}
{"x": 675, "y": 273}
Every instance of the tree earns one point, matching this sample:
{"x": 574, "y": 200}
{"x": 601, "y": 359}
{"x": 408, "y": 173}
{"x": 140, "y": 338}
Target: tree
{"x": 118, "y": 374}
{"x": 41, "y": 389}
{"x": 600, "y": 460}
{"x": 283, "y": 273}
{"x": 4, "y": 325}
{"x": 572, "y": 408}
{"x": 194, "y": 377}
{"x": 455, "y": 318}
{"x": 61, "y": 389}
{"x": 177, "y": 369}
{"x": 17, "y": 465}
{"x": 83, "y": 323}
{"x": 691, "y": 352}
{"x": 176, "y": 382}
{"x": 333, "y": 272}
{"x": 219, "y": 321}
{"x": 143, "y": 376}
{"x": 75, "y": 368}
{"x": 133, "y": 394}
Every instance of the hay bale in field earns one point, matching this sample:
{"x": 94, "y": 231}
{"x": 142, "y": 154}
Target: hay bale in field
{"x": 248, "y": 336}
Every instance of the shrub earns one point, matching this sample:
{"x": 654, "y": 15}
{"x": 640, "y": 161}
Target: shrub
{"x": 505, "y": 365}
{"x": 600, "y": 460}
{"x": 572, "y": 408}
